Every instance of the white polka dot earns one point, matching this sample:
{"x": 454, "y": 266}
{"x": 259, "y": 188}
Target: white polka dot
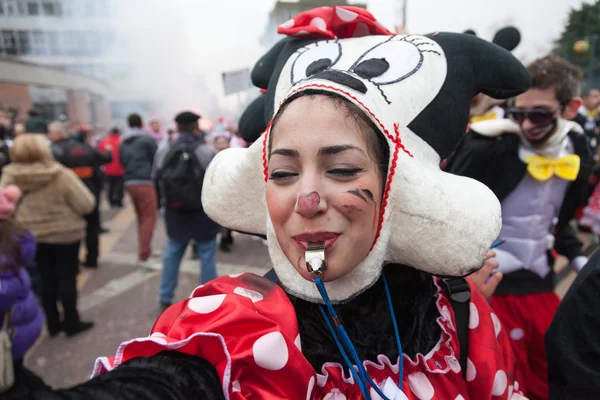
{"x": 454, "y": 364}
{"x": 288, "y": 24}
{"x": 510, "y": 391}
{"x": 235, "y": 387}
{"x": 473, "y": 316}
{"x": 194, "y": 291}
{"x": 158, "y": 340}
{"x": 206, "y": 304}
{"x": 311, "y": 386}
{"x": 301, "y": 33}
{"x": 459, "y": 397}
{"x": 270, "y": 351}
{"x": 500, "y": 382}
{"x": 497, "y": 324}
{"x": 298, "y": 342}
{"x": 336, "y": 395}
{"x": 251, "y": 294}
{"x": 319, "y": 23}
{"x": 471, "y": 370}
{"x": 345, "y": 15}
{"x": 361, "y": 30}
{"x": 158, "y": 335}
{"x": 236, "y": 275}
{"x": 517, "y": 334}
{"x": 374, "y": 395}
{"x": 420, "y": 386}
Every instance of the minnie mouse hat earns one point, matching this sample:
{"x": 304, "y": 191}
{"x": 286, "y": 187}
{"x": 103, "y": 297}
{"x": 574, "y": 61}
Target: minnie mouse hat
{"x": 417, "y": 90}
{"x": 8, "y": 197}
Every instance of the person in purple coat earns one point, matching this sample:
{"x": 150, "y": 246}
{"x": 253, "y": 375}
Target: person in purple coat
{"x": 17, "y": 249}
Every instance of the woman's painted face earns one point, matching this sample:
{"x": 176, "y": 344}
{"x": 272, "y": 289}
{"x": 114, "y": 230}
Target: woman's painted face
{"x": 324, "y": 187}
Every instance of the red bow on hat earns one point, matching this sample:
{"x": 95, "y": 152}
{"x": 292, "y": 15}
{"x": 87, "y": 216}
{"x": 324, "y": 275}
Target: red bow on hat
{"x": 330, "y": 23}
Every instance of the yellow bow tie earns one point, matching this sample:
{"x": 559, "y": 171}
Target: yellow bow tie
{"x": 542, "y": 169}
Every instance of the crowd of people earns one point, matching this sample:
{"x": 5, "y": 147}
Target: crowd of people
{"x": 57, "y": 178}
{"x": 413, "y": 229}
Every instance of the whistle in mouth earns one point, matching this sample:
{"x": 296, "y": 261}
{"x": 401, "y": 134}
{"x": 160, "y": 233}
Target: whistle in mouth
{"x": 315, "y": 260}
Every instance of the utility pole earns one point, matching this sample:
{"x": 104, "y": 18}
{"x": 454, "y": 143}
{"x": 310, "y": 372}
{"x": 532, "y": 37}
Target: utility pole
{"x": 593, "y": 39}
{"x": 404, "y": 13}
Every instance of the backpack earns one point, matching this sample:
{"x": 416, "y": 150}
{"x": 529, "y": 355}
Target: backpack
{"x": 181, "y": 177}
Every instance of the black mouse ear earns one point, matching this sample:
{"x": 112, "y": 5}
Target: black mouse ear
{"x": 473, "y": 66}
{"x": 264, "y": 68}
{"x": 252, "y": 122}
{"x": 470, "y": 32}
{"x": 507, "y": 38}
{"x": 492, "y": 70}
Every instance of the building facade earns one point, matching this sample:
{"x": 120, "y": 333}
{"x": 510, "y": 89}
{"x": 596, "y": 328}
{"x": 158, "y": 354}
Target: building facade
{"x": 52, "y": 57}
{"x": 286, "y": 10}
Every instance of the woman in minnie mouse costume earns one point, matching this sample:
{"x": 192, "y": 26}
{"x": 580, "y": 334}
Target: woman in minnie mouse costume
{"x": 360, "y": 221}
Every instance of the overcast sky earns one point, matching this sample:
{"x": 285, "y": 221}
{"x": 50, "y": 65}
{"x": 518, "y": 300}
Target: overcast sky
{"x": 198, "y": 39}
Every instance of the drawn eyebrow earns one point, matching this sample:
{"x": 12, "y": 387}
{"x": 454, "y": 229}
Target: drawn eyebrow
{"x": 331, "y": 150}
{"x": 286, "y": 153}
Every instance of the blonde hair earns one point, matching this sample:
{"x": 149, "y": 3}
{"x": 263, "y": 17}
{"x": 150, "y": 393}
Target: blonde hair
{"x": 31, "y": 148}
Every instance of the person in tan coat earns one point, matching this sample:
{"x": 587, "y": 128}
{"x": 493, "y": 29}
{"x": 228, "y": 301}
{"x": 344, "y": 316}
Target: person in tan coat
{"x": 52, "y": 207}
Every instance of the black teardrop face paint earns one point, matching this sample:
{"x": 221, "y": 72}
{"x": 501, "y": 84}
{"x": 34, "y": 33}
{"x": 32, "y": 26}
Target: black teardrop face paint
{"x": 364, "y": 194}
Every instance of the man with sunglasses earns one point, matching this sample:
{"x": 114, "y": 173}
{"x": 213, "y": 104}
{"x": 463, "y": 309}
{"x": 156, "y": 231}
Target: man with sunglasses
{"x": 537, "y": 162}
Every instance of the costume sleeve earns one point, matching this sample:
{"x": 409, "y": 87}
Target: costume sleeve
{"x": 567, "y": 244}
{"x": 471, "y": 156}
{"x": 490, "y": 363}
{"x": 168, "y": 375}
{"x": 243, "y": 326}
{"x": 572, "y": 340}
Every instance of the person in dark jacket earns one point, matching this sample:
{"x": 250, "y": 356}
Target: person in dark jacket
{"x": 85, "y": 161}
{"x": 183, "y": 227}
{"x": 574, "y": 361}
{"x": 537, "y": 164}
{"x": 137, "y": 152}
{"x": 36, "y": 123}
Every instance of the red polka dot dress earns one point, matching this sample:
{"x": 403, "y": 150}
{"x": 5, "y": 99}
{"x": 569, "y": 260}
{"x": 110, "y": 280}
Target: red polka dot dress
{"x": 246, "y": 327}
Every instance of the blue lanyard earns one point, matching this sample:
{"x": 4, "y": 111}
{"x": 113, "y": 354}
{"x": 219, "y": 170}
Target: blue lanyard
{"x": 360, "y": 373}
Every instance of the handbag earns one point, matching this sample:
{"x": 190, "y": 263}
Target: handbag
{"x": 7, "y": 373}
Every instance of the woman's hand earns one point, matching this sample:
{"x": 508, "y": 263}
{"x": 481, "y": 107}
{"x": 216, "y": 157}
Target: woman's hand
{"x": 485, "y": 279}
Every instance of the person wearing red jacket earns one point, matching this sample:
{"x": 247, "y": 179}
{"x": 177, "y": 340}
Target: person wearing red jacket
{"x": 113, "y": 170}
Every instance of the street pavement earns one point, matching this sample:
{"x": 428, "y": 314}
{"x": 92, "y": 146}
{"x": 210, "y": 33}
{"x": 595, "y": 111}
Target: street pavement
{"x": 122, "y": 298}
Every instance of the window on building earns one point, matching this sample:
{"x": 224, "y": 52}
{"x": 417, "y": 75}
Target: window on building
{"x": 24, "y": 42}
{"x": 52, "y": 111}
{"x": 10, "y": 7}
{"x": 39, "y": 45}
{"x": 89, "y": 8}
{"x": 9, "y": 42}
{"x": 54, "y": 46}
{"x": 49, "y": 8}
{"x": 33, "y": 8}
